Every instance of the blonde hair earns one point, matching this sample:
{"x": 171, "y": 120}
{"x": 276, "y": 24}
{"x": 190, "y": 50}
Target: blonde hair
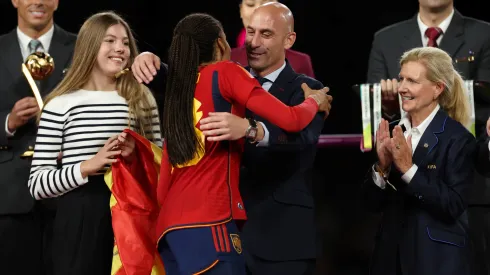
{"x": 89, "y": 40}
{"x": 440, "y": 69}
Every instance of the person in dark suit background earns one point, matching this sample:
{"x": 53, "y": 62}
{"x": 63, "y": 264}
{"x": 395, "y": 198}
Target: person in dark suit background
{"x": 24, "y": 224}
{"x": 300, "y": 62}
{"x": 439, "y": 24}
{"x": 422, "y": 176}
{"x": 280, "y": 235}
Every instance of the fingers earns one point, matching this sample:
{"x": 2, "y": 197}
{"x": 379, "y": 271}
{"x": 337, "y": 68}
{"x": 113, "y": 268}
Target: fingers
{"x": 135, "y": 69}
{"x": 219, "y": 138}
{"x": 144, "y": 72}
{"x": 409, "y": 142}
{"x": 112, "y": 154}
{"x": 212, "y": 125}
{"x": 383, "y": 90}
{"x": 325, "y": 89}
{"x": 145, "y": 67}
{"x": 388, "y": 89}
{"x": 122, "y": 137}
{"x": 28, "y": 113}
{"x": 111, "y": 142}
{"x": 213, "y": 117}
{"x": 25, "y": 103}
{"x": 305, "y": 87}
{"x": 216, "y": 132}
{"x": 395, "y": 87}
{"x": 156, "y": 63}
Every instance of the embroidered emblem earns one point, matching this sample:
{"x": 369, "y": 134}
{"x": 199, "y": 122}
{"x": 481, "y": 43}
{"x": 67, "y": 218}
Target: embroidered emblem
{"x": 237, "y": 243}
{"x": 431, "y": 166}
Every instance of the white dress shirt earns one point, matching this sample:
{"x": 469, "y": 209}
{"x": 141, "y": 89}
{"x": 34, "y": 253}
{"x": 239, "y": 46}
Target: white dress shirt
{"x": 416, "y": 134}
{"x": 443, "y": 25}
{"x": 267, "y": 85}
{"x": 24, "y": 41}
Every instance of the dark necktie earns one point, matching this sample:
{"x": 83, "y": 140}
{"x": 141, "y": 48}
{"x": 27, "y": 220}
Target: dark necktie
{"x": 433, "y": 33}
{"x": 262, "y": 80}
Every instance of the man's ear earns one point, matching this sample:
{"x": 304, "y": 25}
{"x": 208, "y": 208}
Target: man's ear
{"x": 15, "y": 3}
{"x": 290, "y": 39}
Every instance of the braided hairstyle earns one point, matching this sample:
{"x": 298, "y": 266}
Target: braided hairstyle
{"x": 193, "y": 43}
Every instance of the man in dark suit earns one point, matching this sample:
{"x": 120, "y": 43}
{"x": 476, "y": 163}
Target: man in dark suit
{"x": 280, "y": 235}
{"x": 439, "y": 24}
{"x": 300, "y": 62}
{"x": 483, "y": 158}
{"x": 23, "y": 222}
{"x": 423, "y": 173}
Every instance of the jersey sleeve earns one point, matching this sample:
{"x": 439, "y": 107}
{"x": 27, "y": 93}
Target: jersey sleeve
{"x": 239, "y": 87}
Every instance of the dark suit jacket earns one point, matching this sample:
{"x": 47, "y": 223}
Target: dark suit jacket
{"x": 300, "y": 62}
{"x": 14, "y": 194}
{"x": 276, "y": 181}
{"x": 463, "y": 35}
{"x": 483, "y": 156}
{"x": 426, "y": 220}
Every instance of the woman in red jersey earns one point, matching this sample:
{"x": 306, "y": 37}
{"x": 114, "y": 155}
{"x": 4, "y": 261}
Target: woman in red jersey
{"x": 198, "y": 190}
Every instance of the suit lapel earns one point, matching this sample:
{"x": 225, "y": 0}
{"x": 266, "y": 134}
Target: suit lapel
{"x": 453, "y": 39}
{"x": 283, "y": 85}
{"x": 429, "y": 139}
{"x": 61, "y": 55}
{"x": 12, "y": 55}
{"x": 413, "y": 38}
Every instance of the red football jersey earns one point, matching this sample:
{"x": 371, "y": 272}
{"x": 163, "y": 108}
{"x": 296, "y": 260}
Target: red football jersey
{"x": 205, "y": 190}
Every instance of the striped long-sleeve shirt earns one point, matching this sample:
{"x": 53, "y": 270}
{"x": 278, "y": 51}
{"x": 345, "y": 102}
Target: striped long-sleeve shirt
{"x": 77, "y": 124}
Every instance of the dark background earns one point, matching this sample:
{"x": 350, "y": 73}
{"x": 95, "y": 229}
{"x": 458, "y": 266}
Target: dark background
{"x": 337, "y": 35}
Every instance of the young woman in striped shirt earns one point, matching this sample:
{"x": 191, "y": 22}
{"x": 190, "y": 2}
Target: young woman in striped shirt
{"x": 84, "y": 118}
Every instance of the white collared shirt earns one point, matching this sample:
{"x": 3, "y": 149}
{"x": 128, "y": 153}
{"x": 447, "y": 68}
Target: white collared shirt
{"x": 416, "y": 133}
{"x": 267, "y": 85}
{"x": 24, "y": 41}
{"x": 444, "y": 25}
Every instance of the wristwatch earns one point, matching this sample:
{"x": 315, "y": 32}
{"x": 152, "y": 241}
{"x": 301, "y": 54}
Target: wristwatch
{"x": 251, "y": 132}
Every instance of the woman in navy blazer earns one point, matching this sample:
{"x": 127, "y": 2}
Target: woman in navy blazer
{"x": 423, "y": 172}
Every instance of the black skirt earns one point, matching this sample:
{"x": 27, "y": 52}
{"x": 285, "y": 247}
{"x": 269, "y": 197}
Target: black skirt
{"x": 83, "y": 239}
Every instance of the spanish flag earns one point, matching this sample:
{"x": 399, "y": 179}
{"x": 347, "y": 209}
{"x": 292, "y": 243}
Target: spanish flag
{"x": 134, "y": 210}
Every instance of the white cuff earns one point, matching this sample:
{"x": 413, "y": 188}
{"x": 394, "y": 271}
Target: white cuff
{"x": 78, "y": 174}
{"x": 407, "y": 177}
{"x": 378, "y": 180}
{"x": 9, "y": 134}
{"x": 265, "y": 141}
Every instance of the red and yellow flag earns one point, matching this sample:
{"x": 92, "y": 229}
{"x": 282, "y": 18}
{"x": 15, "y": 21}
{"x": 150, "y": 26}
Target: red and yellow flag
{"x": 134, "y": 210}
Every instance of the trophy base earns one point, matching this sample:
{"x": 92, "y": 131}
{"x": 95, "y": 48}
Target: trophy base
{"x": 27, "y": 154}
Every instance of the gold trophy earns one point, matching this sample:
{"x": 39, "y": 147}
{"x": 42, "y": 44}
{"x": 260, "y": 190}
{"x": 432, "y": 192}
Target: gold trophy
{"x": 37, "y": 66}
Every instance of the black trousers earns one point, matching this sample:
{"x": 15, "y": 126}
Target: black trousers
{"x": 258, "y": 266}
{"x": 21, "y": 244}
{"x": 83, "y": 239}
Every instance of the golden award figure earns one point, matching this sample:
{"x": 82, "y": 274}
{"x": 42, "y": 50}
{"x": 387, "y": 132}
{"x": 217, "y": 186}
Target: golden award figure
{"x": 37, "y": 66}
